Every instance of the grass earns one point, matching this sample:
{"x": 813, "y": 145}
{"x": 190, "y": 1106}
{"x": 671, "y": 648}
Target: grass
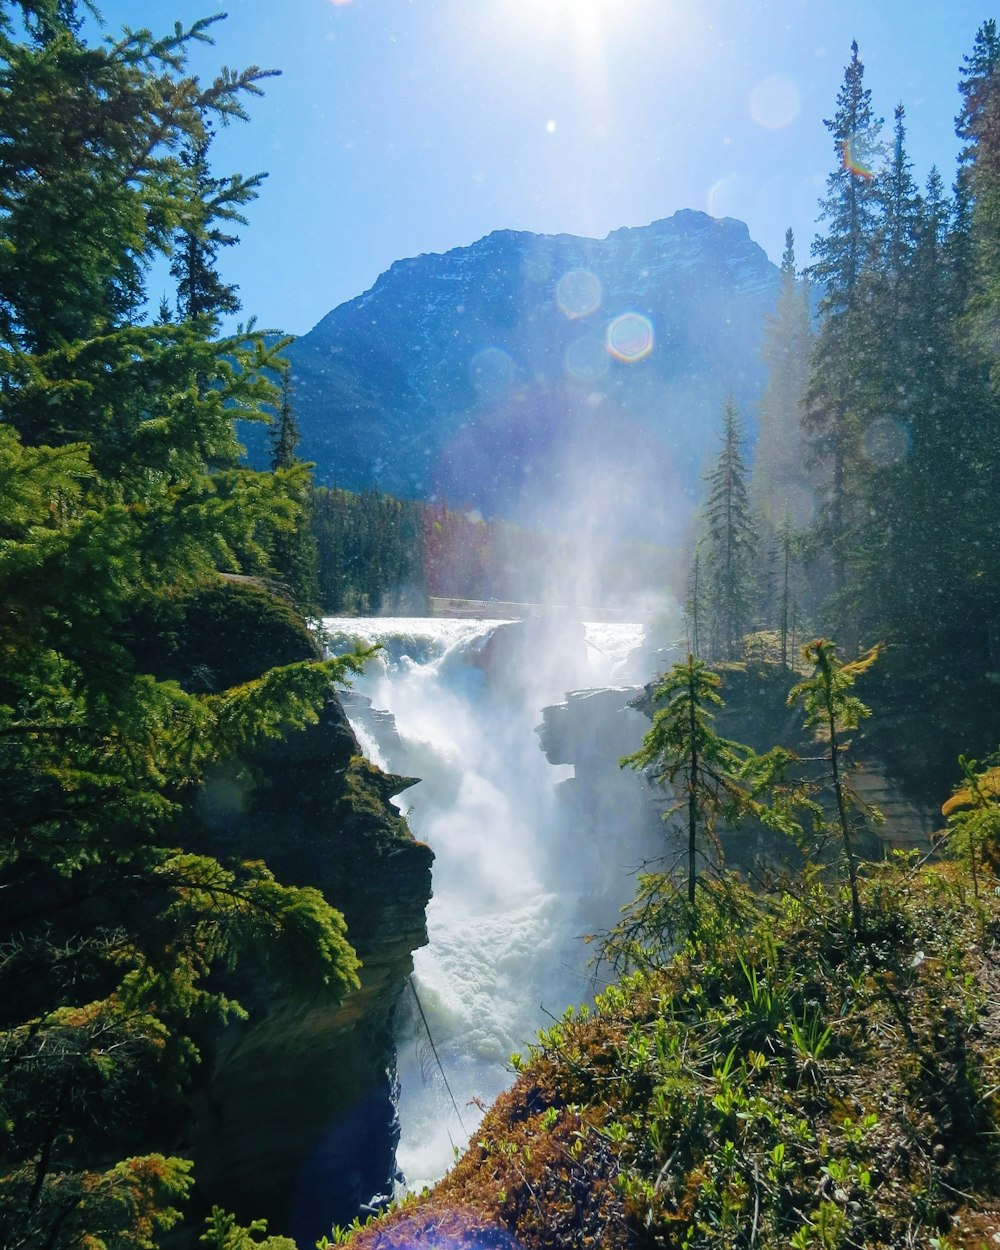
{"x": 785, "y": 1083}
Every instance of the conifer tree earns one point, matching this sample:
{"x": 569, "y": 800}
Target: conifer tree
{"x": 979, "y": 385}
{"x": 116, "y": 917}
{"x": 831, "y": 708}
{"x": 293, "y": 553}
{"x": 886, "y": 387}
{"x": 695, "y": 602}
{"x": 682, "y": 746}
{"x": 284, "y": 433}
{"x": 976, "y": 87}
{"x": 200, "y": 290}
{"x": 779, "y": 478}
{"x": 713, "y": 779}
{"x": 850, "y": 212}
{"x": 730, "y": 542}
{"x": 785, "y": 539}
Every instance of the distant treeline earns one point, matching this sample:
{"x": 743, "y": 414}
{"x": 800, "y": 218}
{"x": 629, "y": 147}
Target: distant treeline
{"x": 376, "y": 553}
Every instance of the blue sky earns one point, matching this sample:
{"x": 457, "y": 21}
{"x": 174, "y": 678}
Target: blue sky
{"x": 407, "y": 126}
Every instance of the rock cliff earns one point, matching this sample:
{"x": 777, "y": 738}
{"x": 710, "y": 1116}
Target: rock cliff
{"x": 298, "y": 1122}
{"x": 293, "y": 1118}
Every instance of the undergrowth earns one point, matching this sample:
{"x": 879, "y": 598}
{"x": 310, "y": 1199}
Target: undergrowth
{"x": 788, "y": 1083}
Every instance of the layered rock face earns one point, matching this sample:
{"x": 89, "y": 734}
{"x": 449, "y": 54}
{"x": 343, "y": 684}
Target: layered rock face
{"x": 535, "y": 376}
{"x": 293, "y": 1117}
{"x": 298, "y": 1123}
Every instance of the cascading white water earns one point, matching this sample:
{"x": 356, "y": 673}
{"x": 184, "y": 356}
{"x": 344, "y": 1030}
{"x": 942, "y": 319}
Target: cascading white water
{"x": 511, "y": 894}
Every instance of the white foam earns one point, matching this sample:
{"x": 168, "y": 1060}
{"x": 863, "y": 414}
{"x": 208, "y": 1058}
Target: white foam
{"x": 508, "y": 908}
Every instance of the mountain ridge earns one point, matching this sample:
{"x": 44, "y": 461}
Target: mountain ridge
{"x": 523, "y": 373}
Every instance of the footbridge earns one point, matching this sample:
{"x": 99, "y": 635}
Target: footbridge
{"x": 503, "y": 609}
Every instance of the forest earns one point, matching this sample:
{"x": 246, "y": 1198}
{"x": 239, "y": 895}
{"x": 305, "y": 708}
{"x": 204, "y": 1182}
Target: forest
{"x": 377, "y": 554}
{"x": 869, "y": 513}
{"x": 714, "y": 1097}
{"x": 121, "y": 488}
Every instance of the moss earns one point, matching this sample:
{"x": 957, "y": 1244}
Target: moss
{"x": 218, "y": 635}
{"x": 787, "y": 1084}
{"x": 365, "y": 795}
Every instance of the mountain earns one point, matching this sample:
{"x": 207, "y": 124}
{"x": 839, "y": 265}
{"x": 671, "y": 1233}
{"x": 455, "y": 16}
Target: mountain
{"x": 547, "y": 379}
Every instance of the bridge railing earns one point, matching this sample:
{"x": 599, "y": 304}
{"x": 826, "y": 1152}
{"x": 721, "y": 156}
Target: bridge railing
{"x": 503, "y": 609}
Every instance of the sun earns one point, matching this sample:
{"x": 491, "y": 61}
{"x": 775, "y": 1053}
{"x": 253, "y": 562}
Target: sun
{"x": 575, "y": 18}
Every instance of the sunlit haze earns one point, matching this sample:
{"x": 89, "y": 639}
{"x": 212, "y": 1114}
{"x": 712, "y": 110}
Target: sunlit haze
{"x": 407, "y": 126}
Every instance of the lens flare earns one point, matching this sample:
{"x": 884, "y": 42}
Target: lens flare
{"x": 630, "y": 337}
{"x": 578, "y": 293}
{"x": 856, "y": 158}
{"x": 586, "y": 360}
{"x": 723, "y": 198}
{"x": 492, "y": 373}
{"x": 774, "y": 102}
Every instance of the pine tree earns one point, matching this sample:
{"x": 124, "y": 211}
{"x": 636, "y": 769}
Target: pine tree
{"x": 200, "y": 290}
{"x": 850, "y": 211}
{"x": 116, "y": 918}
{"x": 730, "y": 543}
{"x": 779, "y": 477}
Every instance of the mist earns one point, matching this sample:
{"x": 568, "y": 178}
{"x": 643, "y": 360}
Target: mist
{"x": 517, "y": 882}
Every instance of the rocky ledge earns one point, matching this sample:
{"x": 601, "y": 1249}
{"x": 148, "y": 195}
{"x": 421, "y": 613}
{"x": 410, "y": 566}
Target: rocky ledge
{"x": 294, "y": 1118}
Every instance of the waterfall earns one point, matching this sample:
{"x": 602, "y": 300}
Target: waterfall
{"x": 514, "y": 884}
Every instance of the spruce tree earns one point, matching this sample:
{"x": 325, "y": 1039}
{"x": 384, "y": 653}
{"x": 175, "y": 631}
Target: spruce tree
{"x": 980, "y": 326}
{"x": 694, "y": 606}
{"x": 831, "y": 708}
{"x": 730, "y": 543}
{"x": 779, "y": 479}
{"x": 886, "y": 389}
{"x": 683, "y": 750}
{"x": 293, "y": 552}
{"x": 117, "y": 918}
{"x": 976, "y": 87}
{"x": 786, "y": 550}
{"x": 841, "y": 255}
{"x": 200, "y": 290}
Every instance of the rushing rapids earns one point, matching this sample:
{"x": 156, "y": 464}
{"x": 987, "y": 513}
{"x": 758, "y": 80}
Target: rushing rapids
{"x": 456, "y": 703}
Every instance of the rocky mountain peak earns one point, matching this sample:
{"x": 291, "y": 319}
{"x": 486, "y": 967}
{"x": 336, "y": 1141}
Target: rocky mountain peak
{"x": 524, "y": 373}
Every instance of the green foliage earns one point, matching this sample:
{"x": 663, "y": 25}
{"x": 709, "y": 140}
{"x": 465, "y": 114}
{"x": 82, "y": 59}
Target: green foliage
{"x": 119, "y": 495}
{"x": 901, "y": 416}
{"x": 840, "y": 256}
{"x": 773, "y": 1084}
{"x": 200, "y": 291}
{"x": 715, "y": 779}
{"x": 223, "y": 1233}
{"x": 185, "y": 635}
{"x": 830, "y": 709}
{"x": 294, "y": 554}
{"x": 376, "y": 553}
{"x": 779, "y": 481}
{"x": 973, "y": 815}
{"x": 729, "y": 545}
